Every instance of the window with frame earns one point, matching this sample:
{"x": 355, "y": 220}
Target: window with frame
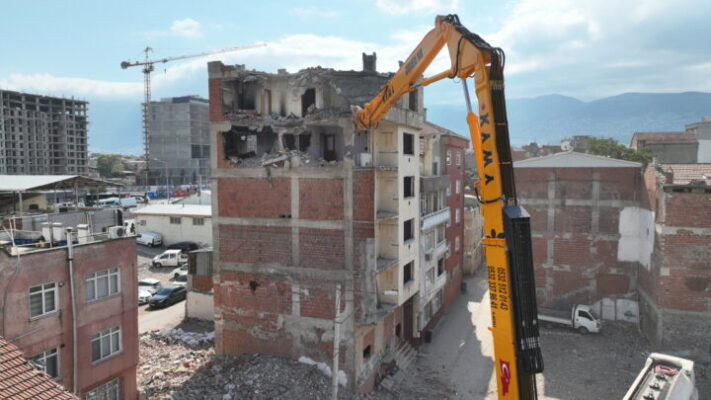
{"x": 458, "y": 186}
{"x": 198, "y": 221}
{"x": 47, "y": 362}
{"x": 102, "y": 284}
{"x": 407, "y": 272}
{"x": 110, "y": 390}
{"x": 458, "y": 156}
{"x": 105, "y": 344}
{"x": 456, "y": 243}
{"x": 43, "y": 299}
{"x": 458, "y": 215}
{"x": 409, "y": 186}
{"x": 408, "y": 144}
{"x": 449, "y": 157}
{"x": 175, "y": 220}
{"x": 409, "y": 230}
{"x": 449, "y": 191}
{"x": 440, "y": 266}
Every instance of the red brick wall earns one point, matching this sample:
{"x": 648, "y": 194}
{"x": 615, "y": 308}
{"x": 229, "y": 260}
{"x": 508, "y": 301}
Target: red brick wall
{"x": 216, "y": 114}
{"x": 363, "y": 195}
{"x": 321, "y": 199}
{"x": 255, "y": 244}
{"x": 584, "y": 266}
{"x": 254, "y": 198}
{"x": 455, "y": 201}
{"x": 321, "y": 248}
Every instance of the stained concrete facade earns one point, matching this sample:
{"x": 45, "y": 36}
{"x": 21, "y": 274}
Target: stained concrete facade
{"x": 42, "y": 135}
{"x": 24, "y": 268}
{"x": 179, "y": 145}
{"x": 302, "y": 203}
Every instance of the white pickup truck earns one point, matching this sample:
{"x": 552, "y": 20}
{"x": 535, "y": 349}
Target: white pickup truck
{"x": 170, "y": 258}
{"x": 664, "y": 377}
{"x": 580, "y": 317}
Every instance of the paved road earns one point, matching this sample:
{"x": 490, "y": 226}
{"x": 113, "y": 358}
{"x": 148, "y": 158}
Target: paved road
{"x": 149, "y": 319}
{"x": 160, "y": 319}
{"x": 461, "y": 349}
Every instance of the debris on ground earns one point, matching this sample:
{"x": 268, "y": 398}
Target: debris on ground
{"x": 180, "y": 364}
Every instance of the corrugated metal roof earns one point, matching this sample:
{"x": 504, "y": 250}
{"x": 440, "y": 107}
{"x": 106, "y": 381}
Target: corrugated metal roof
{"x": 20, "y": 380}
{"x": 22, "y": 183}
{"x": 175, "y": 209}
{"x": 571, "y": 159}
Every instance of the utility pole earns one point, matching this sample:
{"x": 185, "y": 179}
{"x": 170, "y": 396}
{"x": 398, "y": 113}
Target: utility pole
{"x": 336, "y": 343}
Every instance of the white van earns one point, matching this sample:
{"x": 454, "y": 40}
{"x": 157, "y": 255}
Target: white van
{"x": 170, "y": 258}
{"x": 151, "y": 239}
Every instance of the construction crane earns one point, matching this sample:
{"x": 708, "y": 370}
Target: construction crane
{"x": 148, "y": 68}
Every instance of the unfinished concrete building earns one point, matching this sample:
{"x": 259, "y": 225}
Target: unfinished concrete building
{"x": 179, "y": 145}
{"x": 42, "y": 135}
{"x": 302, "y": 203}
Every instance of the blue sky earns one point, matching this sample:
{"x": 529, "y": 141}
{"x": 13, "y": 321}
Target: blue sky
{"x": 586, "y": 48}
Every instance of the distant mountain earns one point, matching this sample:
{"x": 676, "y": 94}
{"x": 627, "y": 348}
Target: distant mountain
{"x": 548, "y": 119}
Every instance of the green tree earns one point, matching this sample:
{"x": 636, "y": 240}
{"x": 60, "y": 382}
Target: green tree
{"x": 611, "y": 148}
{"x": 109, "y": 165}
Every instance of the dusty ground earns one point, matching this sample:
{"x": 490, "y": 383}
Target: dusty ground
{"x": 456, "y": 365}
{"x": 156, "y": 319}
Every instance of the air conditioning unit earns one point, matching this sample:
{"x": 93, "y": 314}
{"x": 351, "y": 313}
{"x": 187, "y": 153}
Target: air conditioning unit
{"x": 116, "y": 232}
{"x": 58, "y": 233}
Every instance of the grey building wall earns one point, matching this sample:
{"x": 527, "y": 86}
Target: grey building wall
{"x": 41, "y": 135}
{"x": 674, "y": 153}
{"x": 703, "y": 134}
{"x": 179, "y": 146}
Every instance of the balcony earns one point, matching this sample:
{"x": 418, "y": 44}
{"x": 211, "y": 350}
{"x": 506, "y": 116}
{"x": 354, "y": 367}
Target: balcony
{"x": 429, "y": 221}
{"x": 388, "y": 297}
{"x": 383, "y": 263}
{"x": 383, "y": 216}
{"x": 433, "y": 253}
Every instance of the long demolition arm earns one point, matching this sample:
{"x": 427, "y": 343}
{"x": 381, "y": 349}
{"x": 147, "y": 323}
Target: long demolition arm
{"x": 507, "y": 240}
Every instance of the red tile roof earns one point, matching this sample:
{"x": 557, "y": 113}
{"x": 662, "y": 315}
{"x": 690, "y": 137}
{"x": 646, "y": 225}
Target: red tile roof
{"x": 683, "y": 174}
{"x": 20, "y": 380}
{"x": 663, "y": 137}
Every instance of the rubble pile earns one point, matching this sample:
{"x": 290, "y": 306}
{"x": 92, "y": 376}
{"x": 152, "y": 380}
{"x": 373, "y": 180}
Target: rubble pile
{"x": 281, "y": 159}
{"x": 181, "y": 365}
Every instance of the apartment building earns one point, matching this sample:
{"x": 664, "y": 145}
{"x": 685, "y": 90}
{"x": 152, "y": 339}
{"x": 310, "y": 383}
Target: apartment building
{"x": 441, "y": 221}
{"x": 42, "y": 135}
{"x": 178, "y": 144}
{"x": 303, "y": 203}
{"x": 70, "y": 304}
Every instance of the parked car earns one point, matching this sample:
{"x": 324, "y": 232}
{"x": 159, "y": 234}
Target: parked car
{"x": 167, "y": 296}
{"x": 150, "y": 239}
{"x": 151, "y": 285}
{"x": 180, "y": 280}
{"x": 170, "y": 258}
{"x": 184, "y": 246}
{"x": 143, "y": 295}
{"x": 183, "y": 270}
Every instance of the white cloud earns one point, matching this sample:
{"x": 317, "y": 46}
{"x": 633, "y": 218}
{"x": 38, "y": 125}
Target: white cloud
{"x": 188, "y": 28}
{"x": 313, "y": 11}
{"x": 69, "y": 86}
{"x": 408, "y": 6}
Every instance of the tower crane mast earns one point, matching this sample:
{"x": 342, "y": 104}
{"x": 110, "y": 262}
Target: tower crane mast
{"x": 148, "y": 67}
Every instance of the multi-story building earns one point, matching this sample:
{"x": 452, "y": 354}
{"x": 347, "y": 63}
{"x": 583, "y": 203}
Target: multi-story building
{"x": 675, "y": 287}
{"x": 303, "y": 203}
{"x": 41, "y": 135}
{"x": 69, "y": 302}
{"x": 442, "y": 221}
{"x": 179, "y": 148}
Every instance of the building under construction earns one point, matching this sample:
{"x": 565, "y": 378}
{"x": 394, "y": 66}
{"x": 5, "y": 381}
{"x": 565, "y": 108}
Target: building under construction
{"x": 41, "y": 135}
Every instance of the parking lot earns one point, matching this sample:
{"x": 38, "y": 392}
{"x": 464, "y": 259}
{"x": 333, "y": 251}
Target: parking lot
{"x": 148, "y": 318}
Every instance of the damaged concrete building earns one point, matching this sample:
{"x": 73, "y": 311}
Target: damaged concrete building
{"x": 302, "y": 203}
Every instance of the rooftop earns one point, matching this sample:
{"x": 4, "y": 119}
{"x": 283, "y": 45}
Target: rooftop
{"x": 22, "y": 183}
{"x": 175, "y": 209}
{"x": 663, "y": 137}
{"x": 20, "y": 380}
{"x": 684, "y": 174}
{"x": 571, "y": 159}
